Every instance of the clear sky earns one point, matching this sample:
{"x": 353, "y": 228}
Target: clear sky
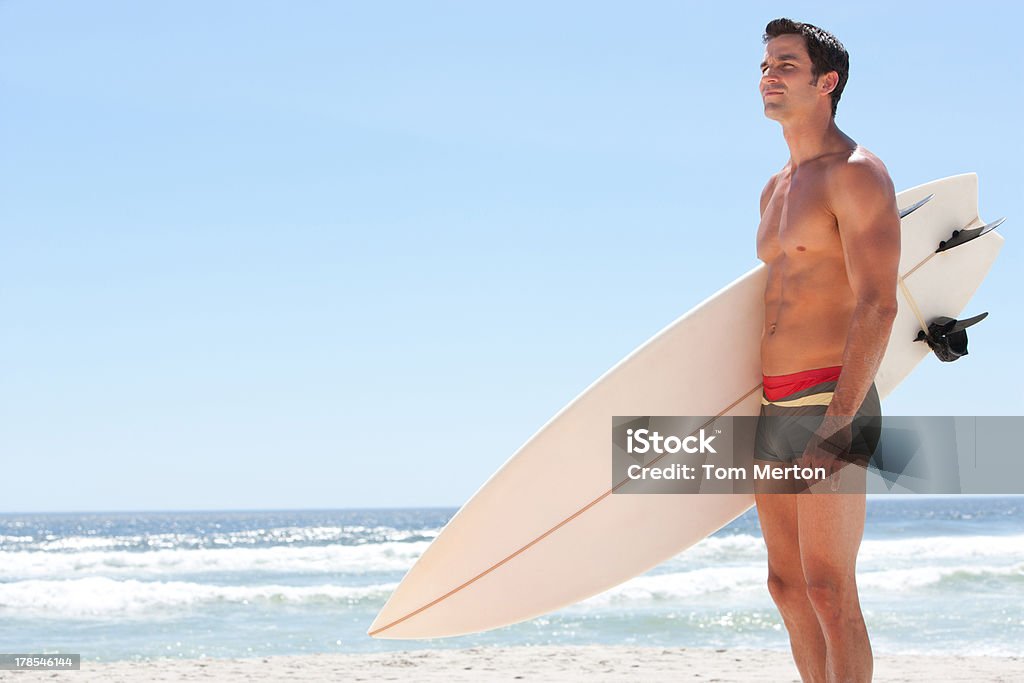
{"x": 279, "y": 255}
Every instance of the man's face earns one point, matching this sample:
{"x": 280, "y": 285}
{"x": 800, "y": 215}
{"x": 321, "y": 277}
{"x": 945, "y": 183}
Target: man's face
{"x": 787, "y": 86}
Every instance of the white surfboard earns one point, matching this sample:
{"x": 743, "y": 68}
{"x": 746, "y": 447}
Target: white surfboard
{"x": 545, "y": 530}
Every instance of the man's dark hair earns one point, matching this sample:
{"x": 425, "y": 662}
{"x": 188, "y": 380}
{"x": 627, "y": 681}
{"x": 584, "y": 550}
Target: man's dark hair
{"x": 826, "y": 52}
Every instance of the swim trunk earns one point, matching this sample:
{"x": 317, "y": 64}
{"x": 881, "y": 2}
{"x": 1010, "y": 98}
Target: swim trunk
{"x": 792, "y": 408}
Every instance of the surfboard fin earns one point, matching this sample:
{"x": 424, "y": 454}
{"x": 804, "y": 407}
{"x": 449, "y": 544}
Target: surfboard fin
{"x": 914, "y": 207}
{"x": 961, "y": 236}
{"x": 947, "y": 337}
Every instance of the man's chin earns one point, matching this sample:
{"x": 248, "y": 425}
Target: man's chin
{"x": 773, "y": 111}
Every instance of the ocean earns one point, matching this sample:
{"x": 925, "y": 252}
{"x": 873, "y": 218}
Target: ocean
{"x": 937, "y": 575}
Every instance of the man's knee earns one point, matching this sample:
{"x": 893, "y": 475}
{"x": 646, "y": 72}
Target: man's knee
{"x": 787, "y": 593}
{"x": 831, "y": 598}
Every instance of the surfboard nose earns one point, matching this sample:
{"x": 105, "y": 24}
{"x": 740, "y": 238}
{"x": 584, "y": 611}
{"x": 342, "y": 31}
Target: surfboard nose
{"x": 386, "y": 618}
{"x": 378, "y": 623}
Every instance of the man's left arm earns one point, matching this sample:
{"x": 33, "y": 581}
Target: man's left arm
{"x": 863, "y": 201}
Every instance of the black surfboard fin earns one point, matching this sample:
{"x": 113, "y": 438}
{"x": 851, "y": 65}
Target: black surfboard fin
{"x": 914, "y": 207}
{"x": 947, "y": 337}
{"x": 962, "y": 236}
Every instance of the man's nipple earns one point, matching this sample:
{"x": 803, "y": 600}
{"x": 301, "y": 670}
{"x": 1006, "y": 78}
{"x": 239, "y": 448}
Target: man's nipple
{"x": 801, "y": 248}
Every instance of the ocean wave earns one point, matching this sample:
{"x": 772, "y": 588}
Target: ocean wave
{"x": 661, "y": 588}
{"x": 15, "y": 539}
{"x": 290, "y": 535}
{"x": 350, "y": 559}
{"x": 938, "y": 576}
{"x": 716, "y": 556}
{"x": 731, "y": 548}
{"x": 942, "y": 548}
{"x": 389, "y": 556}
{"x": 883, "y": 552}
{"x": 914, "y": 548}
{"x": 687, "y": 585}
{"x": 101, "y": 597}
{"x": 104, "y": 597}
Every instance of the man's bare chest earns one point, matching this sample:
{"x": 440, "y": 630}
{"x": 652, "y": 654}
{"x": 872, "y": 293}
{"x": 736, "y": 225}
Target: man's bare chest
{"x": 797, "y": 223}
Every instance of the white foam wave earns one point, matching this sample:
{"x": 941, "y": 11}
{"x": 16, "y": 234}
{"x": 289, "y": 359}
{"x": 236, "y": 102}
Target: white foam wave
{"x": 684, "y": 585}
{"x": 15, "y": 539}
{"x": 101, "y": 597}
{"x": 942, "y": 548}
{"x": 731, "y": 548}
{"x": 681, "y": 585}
{"x": 291, "y": 535}
{"x": 742, "y": 547}
{"x": 716, "y": 555}
{"x": 919, "y": 577}
{"x": 76, "y": 543}
{"x": 154, "y": 563}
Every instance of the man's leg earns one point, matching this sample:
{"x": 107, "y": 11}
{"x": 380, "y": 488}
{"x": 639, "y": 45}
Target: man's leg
{"x": 830, "y": 530}
{"x": 777, "y": 513}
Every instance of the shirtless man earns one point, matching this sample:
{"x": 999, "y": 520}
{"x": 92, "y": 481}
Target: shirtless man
{"x": 830, "y": 236}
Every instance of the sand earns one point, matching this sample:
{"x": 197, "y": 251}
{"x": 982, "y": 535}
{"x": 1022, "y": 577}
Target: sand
{"x": 548, "y": 663}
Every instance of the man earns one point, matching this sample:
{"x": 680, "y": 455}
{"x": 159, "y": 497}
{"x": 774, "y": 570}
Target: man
{"x": 830, "y": 236}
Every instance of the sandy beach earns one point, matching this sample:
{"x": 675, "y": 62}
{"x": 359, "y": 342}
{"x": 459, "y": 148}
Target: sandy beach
{"x": 549, "y": 663}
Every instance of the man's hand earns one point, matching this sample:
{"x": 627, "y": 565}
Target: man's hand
{"x": 829, "y": 447}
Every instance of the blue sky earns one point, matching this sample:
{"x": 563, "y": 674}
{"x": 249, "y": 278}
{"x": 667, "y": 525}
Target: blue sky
{"x": 278, "y": 255}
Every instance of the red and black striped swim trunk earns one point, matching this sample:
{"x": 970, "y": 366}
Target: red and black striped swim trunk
{"x": 792, "y": 408}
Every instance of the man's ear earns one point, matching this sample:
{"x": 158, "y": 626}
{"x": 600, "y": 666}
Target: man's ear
{"x": 830, "y": 81}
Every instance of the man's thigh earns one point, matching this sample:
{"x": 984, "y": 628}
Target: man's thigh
{"x": 830, "y": 529}
{"x": 777, "y": 513}
{"x": 812, "y": 537}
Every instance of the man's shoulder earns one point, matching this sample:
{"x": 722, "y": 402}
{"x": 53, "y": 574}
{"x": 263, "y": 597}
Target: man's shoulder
{"x": 772, "y": 182}
{"x": 769, "y": 188}
{"x": 859, "y": 183}
{"x": 858, "y": 171}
